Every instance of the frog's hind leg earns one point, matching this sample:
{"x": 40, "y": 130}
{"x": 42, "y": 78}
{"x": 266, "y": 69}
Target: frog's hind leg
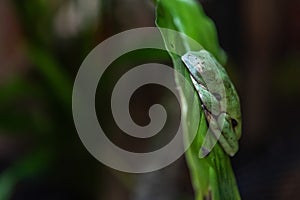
{"x": 208, "y": 144}
{"x": 227, "y": 141}
{"x": 228, "y": 138}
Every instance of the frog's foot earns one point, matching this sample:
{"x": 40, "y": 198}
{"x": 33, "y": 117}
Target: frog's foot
{"x": 213, "y": 133}
{"x": 208, "y": 144}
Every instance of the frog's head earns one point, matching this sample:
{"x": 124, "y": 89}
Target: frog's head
{"x": 235, "y": 121}
{"x": 233, "y": 110}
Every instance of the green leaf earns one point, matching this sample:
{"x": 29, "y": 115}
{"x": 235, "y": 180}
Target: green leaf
{"x": 188, "y": 17}
{"x": 212, "y": 176}
{"x": 54, "y": 74}
{"x": 12, "y": 118}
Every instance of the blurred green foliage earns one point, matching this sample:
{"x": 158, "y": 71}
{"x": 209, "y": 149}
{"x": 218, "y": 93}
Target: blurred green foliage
{"x": 42, "y": 150}
{"x": 35, "y": 107}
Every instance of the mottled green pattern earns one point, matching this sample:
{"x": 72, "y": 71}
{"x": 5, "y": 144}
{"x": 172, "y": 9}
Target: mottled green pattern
{"x": 218, "y": 95}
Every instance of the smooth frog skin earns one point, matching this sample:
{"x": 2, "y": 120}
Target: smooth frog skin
{"x": 219, "y": 100}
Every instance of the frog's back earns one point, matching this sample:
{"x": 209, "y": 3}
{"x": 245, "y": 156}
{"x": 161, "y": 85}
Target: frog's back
{"x": 221, "y": 84}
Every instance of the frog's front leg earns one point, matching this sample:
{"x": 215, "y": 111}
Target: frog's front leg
{"x": 209, "y": 101}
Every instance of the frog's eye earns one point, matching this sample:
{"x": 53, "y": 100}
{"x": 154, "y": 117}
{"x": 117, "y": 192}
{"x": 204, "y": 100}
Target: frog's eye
{"x": 234, "y": 123}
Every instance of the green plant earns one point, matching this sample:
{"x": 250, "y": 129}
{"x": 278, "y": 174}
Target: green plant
{"x": 212, "y": 176}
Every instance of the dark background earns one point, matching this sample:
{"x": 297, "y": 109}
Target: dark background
{"x": 43, "y": 43}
